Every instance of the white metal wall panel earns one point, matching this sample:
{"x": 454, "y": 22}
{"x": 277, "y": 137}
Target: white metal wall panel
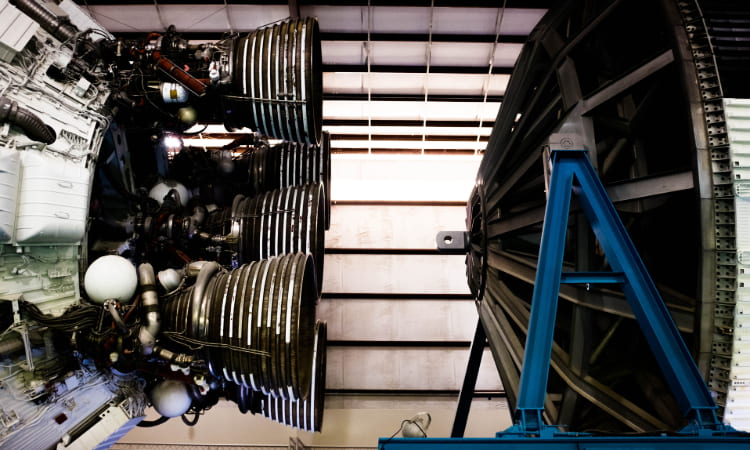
{"x": 406, "y": 110}
{"x": 400, "y": 144}
{"x": 350, "y": 423}
{"x": 403, "y": 177}
{"x": 405, "y": 368}
{"x": 409, "y": 130}
{"x": 405, "y": 274}
{"x": 343, "y": 52}
{"x": 408, "y": 53}
{"x": 332, "y": 18}
{"x": 391, "y": 226}
{"x": 399, "y": 53}
{"x": 446, "y": 20}
{"x": 398, "y": 320}
{"x": 414, "y": 83}
{"x": 513, "y": 21}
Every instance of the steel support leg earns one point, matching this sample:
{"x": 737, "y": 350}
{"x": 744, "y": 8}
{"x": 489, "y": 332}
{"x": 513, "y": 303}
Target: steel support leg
{"x": 572, "y": 172}
{"x": 470, "y": 380}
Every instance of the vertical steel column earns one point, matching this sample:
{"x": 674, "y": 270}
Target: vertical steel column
{"x": 538, "y": 348}
{"x": 470, "y": 381}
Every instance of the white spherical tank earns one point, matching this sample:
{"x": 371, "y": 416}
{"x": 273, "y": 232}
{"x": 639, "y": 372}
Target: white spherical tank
{"x": 110, "y": 276}
{"x": 162, "y": 188}
{"x": 171, "y": 398}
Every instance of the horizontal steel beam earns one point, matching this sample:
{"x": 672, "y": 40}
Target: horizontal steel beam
{"x": 618, "y": 193}
{"x": 609, "y": 302}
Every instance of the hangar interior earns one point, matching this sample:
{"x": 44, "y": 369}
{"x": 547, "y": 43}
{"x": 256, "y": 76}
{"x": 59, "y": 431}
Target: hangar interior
{"x": 295, "y": 162}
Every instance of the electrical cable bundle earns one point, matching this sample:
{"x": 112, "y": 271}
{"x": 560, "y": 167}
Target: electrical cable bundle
{"x": 83, "y": 316}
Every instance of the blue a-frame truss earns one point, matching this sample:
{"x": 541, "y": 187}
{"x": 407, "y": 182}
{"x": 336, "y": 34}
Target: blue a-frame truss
{"x": 572, "y": 172}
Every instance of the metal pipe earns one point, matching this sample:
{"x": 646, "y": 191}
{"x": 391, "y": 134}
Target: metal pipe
{"x": 10, "y": 346}
{"x": 147, "y": 333}
{"x": 196, "y": 220}
{"x": 29, "y": 122}
{"x": 58, "y": 27}
{"x": 180, "y": 359}
{"x": 206, "y": 272}
{"x": 194, "y": 268}
{"x": 190, "y": 83}
{"x": 111, "y": 306}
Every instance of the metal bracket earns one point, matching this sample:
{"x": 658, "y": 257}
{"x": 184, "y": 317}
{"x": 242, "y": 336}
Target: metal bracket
{"x": 452, "y": 242}
{"x": 19, "y": 326}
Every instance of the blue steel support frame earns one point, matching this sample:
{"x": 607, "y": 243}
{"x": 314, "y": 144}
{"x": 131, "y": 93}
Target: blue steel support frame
{"x": 572, "y": 172}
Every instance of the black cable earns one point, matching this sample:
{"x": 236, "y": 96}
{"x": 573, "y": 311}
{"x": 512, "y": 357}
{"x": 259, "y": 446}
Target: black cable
{"x": 152, "y": 423}
{"x": 399, "y": 429}
{"x": 189, "y": 422}
{"x": 76, "y": 318}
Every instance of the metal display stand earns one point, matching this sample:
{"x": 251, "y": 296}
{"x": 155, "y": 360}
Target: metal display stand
{"x": 572, "y": 172}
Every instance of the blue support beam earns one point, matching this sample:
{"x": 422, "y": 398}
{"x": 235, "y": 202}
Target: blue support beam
{"x": 572, "y": 172}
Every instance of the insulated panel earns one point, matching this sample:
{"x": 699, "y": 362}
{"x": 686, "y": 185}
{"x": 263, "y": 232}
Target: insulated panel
{"x": 398, "y": 320}
{"x": 16, "y": 29}
{"x": 403, "y": 274}
{"x": 391, "y": 226}
{"x": 376, "y": 368}
{"x": 10, "y": 170}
